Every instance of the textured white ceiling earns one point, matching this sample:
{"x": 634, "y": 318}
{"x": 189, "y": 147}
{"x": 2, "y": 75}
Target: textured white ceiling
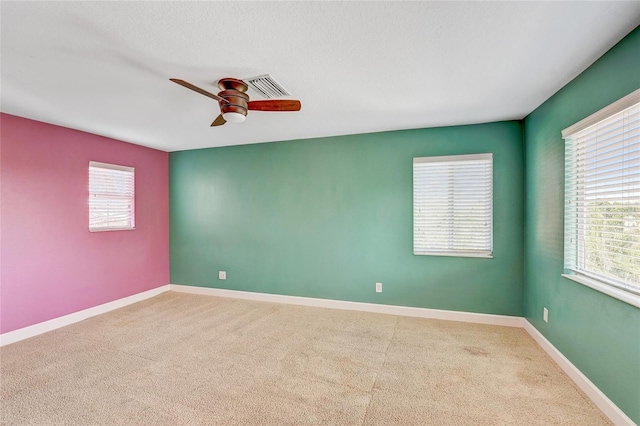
{"x": 357, "y": 67}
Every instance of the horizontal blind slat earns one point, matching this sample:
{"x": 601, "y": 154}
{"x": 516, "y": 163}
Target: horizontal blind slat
{"x": 602, "y": 190}
{"x": 111, "y": 197}
{"x": 452, "y": 205}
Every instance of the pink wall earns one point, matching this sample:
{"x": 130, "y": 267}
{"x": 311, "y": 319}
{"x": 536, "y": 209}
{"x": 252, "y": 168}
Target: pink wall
{"x": 50, "y": 264}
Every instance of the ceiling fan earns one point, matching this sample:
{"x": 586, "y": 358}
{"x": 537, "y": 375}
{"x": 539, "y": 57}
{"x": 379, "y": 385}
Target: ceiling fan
{"x": 234, "y": 102}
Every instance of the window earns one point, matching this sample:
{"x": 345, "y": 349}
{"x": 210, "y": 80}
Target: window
{"x": 453, "y": 205}
{"x": 111, "y": 197}
{"x": 602, "y": 199}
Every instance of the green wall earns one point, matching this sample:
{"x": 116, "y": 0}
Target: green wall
{"x": 330, "y": 217}
{"x": 600, "y": 335}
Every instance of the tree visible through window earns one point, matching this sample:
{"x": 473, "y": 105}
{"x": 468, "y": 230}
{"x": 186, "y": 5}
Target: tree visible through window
{"x": 602, "y": 196}
{"x": 618, "y": 256}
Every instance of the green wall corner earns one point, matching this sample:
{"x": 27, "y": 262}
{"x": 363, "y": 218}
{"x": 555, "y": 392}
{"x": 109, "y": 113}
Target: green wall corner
{"x": 330, "y": 217}
{"x": 599, "y": 334}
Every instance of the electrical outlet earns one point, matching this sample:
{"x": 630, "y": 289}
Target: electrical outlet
{"x": 378, "y": 287}
{"x": 545, "y": 314}
{"x": 222, "y": 275}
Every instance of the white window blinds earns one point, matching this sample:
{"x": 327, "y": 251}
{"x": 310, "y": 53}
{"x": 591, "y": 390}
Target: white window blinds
{"x": 111, "y": 197}
{"x": 602, "y": 196}
{"x": 453, "y": 205}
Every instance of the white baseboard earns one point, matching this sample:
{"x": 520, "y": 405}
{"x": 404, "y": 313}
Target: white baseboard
{"x": 406, "y": 311}
{"x": 615, "y": 414}
{"x": 611, "y": 410}
{"x": 43, "y": 327}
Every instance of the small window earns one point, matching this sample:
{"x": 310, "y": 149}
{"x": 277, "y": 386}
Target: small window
{"x": 453, "y": 205}
{"x": 111, "y": 197}
{"x": 602, "y": 198}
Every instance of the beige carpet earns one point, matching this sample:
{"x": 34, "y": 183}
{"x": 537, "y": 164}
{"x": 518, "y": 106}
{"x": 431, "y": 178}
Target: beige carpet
{"x": 181, "y": 359}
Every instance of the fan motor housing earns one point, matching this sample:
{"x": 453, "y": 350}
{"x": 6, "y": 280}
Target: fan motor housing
{"x": 233, "y": 92}
{"x": 236, "y": 101}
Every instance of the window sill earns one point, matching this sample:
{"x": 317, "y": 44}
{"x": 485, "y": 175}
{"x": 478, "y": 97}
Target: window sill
{"x": 480, "y": 255}
{"x": 111, "y": 229}
{"x": 622, "y": 295}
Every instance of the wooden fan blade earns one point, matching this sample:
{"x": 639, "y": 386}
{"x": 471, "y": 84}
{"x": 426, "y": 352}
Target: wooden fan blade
{"x": 197, "y": 89}
{"x": 275, "y": 105}
{"x": 219, "y": 121}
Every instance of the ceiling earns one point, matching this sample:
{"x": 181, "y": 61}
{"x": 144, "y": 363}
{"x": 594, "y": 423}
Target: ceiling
{"x": 357, "y": 67}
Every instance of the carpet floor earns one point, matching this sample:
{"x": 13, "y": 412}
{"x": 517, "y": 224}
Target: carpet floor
{"x": 180, "y": 359}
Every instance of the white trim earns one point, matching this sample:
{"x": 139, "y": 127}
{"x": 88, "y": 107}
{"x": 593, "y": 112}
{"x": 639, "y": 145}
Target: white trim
{"x": 614, "y": 108}
{"x": 454, "y": 254}
{"x": 456, "y": 158}
{"x": 63, "y": 321}
{"x": 503, "y": 320}
{"x": 110, "y": 229}
{"x": 111, "y": 166}
{"x": 609, "y": 290}
{"x": 615, "y": 414}
{"x": 611, "y": 410}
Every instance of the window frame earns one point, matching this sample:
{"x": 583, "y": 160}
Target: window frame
{"x": 570, "y": 272}
{"x": 132, "y": 217}
{"x": 485, "y": 253}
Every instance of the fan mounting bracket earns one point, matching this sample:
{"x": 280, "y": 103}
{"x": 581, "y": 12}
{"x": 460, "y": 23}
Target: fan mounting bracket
{"x": 232, "y": 84}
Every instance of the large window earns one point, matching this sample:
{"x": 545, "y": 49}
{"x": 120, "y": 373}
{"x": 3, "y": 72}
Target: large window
{"x": 602, "y": 198}
{"x": 111, "y": 197}
{"x": 453, "y": 205}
